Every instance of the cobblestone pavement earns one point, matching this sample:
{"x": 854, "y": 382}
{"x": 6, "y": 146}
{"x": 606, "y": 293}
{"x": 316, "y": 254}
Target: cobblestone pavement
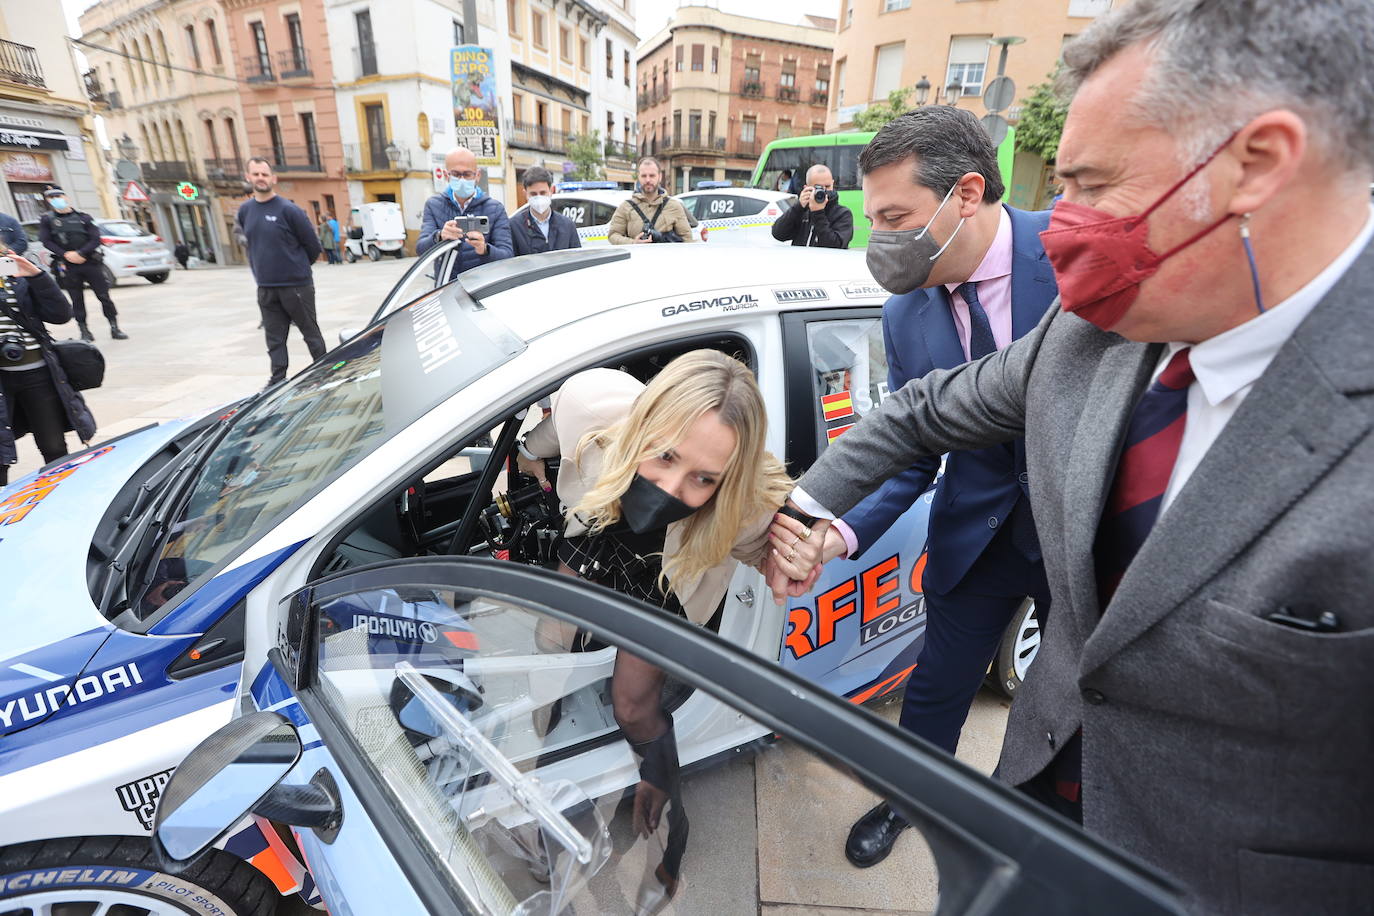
{"x": 194, "y": 343}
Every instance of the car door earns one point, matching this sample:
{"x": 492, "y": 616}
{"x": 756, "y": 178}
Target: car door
{"x": 431, "y": 270}
{"x": 405, "y": 701}
{"x": 859, "y": 630}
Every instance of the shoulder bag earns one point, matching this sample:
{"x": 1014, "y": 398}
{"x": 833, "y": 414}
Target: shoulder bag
{"x": 81, "y": 361}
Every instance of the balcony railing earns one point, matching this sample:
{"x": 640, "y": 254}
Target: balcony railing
{"x": 745, "y": 149}
{"x": 294, "y": 63}
{"x": 535, "y": 136}
{"x": 94, "y": 92}
{"x": 19, "y": 64}
{"x": 114, "y": 100}
{"x": 820, "y": 98}
{"x": 230, "y": 170}
{"x": 371, "y": 158}
{"x": 787, "y": 93}
{"x": 257, "y": 69}
{"x": 297, "y": 159}
{"x": 693, "y": 144}
{"x": 365, "y": 59}
{"x": 751, "y": 89}
{"x": 617, "y": 150}
{"x": 168, "y": 170}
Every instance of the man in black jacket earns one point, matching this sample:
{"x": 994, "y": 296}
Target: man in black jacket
{"x": 537, "y": 228}
{"x": 817, "y": 219}
{"x": 74, "y": 239}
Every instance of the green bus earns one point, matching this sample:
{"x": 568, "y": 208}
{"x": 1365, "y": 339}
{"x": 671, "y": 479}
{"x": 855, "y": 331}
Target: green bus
{"x": 840, "y": 151}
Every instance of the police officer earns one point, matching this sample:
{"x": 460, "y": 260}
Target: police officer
{"x": 74, "y": 239}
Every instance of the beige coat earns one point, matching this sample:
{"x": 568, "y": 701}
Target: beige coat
{"x": 594, "y": 400}
{"x": 626, "y": 225}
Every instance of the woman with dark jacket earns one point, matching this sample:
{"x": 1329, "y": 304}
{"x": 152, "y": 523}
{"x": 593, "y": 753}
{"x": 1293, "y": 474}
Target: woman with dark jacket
{"x": 37, "y": 397}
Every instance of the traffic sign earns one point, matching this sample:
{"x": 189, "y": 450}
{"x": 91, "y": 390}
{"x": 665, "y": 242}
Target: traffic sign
{"x": 187, "y": 191}
{"x": 999, "y": 94}
{"x": 996, "y": 127}
{"x": 134, "y": 192}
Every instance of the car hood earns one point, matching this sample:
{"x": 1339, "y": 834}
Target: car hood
{"x": 47, "y": 521}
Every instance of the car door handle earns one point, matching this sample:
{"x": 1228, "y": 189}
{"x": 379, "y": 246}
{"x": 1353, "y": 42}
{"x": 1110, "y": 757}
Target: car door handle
{"x": 746, "y": 597}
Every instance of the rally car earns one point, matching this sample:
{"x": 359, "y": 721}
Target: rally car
{"x": 134, "y": 567}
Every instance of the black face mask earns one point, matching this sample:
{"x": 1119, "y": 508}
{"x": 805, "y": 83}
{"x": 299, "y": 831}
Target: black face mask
{"x": 646, "y": 507}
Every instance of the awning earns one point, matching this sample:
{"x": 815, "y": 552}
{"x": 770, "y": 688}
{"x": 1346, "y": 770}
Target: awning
{"x": 29, "y": 138}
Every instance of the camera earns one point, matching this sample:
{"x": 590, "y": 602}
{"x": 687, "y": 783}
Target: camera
{"x": 820, "y": 195}
{"x": 12, "y": 348}
{"x": 659, "y": 235}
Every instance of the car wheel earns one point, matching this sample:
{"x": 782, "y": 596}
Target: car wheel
{"x": 120, "y": 874}
{"x": 110, "y": 279}
{"x": 399, "y": 253}
{"x": 349, "y": 256}
{"x": 374, "y": 252}
{"x": 158, "y": 277}
{"x": 1019, "y": 645}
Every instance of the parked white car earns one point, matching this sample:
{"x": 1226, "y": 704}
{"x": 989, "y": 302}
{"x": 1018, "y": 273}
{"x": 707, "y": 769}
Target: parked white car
{"x": 377, "y": 229}
{"x": 737, "y": 216}
{"x": 132, "y": 251}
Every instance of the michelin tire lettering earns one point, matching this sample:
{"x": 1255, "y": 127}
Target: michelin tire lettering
{"x": 723, "y": 303}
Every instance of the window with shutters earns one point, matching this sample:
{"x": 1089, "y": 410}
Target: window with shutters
{"x": 537, "y": 29}
{"x": 565, "y": 43}
{"x": 610, "y": 59}
{"x": 968, "y": 61}
{"x": 715, "y": 60}
{"x": 751, "y": 68}
{"x": 748, "y": 129}
{"x": 677, "y": 65}
{"x": 887, "y": 70}
{"x": 698, "y": 57}
{"x": 784, "y": 127}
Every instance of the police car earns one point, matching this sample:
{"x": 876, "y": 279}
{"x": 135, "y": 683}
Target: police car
{"x": 737, "y": 216}
{"x": 341, "y": 527}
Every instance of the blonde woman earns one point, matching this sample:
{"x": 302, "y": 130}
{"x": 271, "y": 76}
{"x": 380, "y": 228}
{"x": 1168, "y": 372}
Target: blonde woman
{"x": 667, "y": 486}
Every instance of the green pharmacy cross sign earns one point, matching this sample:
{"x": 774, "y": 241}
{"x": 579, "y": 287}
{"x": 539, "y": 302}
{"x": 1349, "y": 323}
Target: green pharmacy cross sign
{"x": 188, "y": 191}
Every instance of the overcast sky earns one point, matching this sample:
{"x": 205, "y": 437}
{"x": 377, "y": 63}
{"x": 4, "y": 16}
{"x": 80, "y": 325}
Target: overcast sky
{"x": 651, "y": 15}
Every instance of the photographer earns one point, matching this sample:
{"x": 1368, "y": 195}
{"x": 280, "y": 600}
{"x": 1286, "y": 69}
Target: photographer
{"x": 448, "y": 215}
{"x": 666, "y": 220}
{"x": 74, "y": 239}
{"x": 817, "y": 219}
{"x": 37, "y": 397}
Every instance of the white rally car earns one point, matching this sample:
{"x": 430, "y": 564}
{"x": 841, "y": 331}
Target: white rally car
{"x": 145, "y": 578}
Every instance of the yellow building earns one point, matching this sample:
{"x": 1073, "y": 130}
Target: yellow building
{"x": 881, "y": 45}
{"x": 47, "y": 129}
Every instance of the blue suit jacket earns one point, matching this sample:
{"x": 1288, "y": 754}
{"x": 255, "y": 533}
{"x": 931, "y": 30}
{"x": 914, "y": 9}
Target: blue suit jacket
{"x": 527, "y": 239}
{"x": 440, "y": 208}
{"x": 978, "y": 486}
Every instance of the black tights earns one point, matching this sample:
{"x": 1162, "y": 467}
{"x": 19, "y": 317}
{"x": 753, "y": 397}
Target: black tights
{"x": 31, "y": 391}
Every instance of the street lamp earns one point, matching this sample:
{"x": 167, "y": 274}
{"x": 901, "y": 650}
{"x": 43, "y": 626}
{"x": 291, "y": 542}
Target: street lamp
{"x": 922, "y": 90}
{"x": 954, "y": 91}
{"x": 127, "y": 148}
{"x": 1004, "y": 41}
{"x": 393, "y": 154}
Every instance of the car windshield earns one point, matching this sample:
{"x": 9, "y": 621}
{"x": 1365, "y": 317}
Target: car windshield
{"x": 122, "y": 230}
{"x": 296, "y": 439}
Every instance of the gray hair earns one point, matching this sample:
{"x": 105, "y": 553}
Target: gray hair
{"x": 1217, "y": 64}
{"x": 947, "y": 142}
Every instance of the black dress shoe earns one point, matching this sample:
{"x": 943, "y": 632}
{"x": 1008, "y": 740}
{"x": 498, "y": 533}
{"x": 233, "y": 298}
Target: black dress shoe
{"x": 872, "y": 836}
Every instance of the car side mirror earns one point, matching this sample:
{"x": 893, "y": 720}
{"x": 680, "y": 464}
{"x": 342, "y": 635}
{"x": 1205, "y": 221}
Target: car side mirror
{"x": 348, "y": 334}
{"x": 222, "y": 780}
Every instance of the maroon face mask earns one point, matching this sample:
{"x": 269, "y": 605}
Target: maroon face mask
{"x": 1100, "y": 260}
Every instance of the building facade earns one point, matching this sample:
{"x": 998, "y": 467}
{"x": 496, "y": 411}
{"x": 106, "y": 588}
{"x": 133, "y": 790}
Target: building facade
{"x": 47, "y": 129}
{"x": 172, "y": 114}
{"x": 286, "y": 92}
{"x": 882, "y": 45}
{"x": 716, "y": 88}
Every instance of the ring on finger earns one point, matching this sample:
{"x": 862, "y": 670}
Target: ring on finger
{"x": 806, "y": 532}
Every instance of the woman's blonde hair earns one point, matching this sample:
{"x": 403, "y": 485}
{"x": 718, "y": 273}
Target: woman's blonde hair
{"x": 753, "y": 482}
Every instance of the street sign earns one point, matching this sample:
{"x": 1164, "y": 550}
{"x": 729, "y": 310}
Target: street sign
{"x": 996, "y": 127}
{"x": 187, "y": 191}
{"x": 126, "y": 170}
{"x": 134, "y": 192}
{"x": 999, "y": 94}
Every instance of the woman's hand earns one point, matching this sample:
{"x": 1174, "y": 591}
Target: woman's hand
{"x": 798, "y": 551}
{"x": 24, "y": 266}
{"x": 536, "y": 468}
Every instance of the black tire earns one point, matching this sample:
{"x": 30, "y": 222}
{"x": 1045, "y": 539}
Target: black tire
{"x": 1019, "y": 646}
{"x": 399, "y": 253}
{"x": 374, "y": 253}
{"x": 157, "y": 277}
{"x": 126, "y": 865}
{"x": 349, "y": 256}
{"x": 110, "y": 279}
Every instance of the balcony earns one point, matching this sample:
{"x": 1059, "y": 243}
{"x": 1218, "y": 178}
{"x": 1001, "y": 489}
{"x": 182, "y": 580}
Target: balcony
{"x": 745, "y": 149}
{"x": 751, "y": 89}
{"x": 536, "y": 136}
{"x": 224, "y": 170}
{"x": 19, "y": 64}
{"x": 787, "y": 93}
{"x": 820, "y": 98}
{"x": 365, "y": 60}
{"x": 297, "y": 159}
{"x": 617, "y": 150}
{"x": 91, "y": 80}
{"x": 372, "y": 158}
{"x": 168, "y": 170}
{"x": 258, "y": 69}
{"x": 293, "y": 64}
{"x": 693, "y": 144}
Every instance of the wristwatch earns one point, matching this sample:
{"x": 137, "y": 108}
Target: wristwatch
{"x": 792, "y": 512}
{"x": 525, "y": 452}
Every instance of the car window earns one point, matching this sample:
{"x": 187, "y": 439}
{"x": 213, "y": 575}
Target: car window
{"x": 448, "y": 697}
{"x": 722, "y": 206}
{"x": 121, "y": 229}
{"x": 848, "y": 373}
{"x": 690, "y": 204}
{"x": 601, "y": 214}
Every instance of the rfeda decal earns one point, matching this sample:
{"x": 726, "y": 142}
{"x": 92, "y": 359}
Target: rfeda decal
{"x": 875, "y": 594}
{"x": 863, "y": 291}
{"x": 719, "y": 303}
{"x": 808, "y": 294}
{"x": 140, "y": 797}
{"x": 27, "y": 707}
{"x": 21, "y": 502}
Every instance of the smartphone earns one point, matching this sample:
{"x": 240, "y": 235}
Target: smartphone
{"x": 8, "y": 268}
{"x": 468, "y": 223}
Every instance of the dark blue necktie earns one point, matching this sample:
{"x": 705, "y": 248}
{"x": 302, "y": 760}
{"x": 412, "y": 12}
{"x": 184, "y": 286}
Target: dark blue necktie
{"x": 980, "y": 339}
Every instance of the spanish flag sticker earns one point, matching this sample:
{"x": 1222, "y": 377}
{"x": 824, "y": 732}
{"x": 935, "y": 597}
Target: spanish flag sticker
{"x": 838, "y": 405}
{"x": 834, "y": 432}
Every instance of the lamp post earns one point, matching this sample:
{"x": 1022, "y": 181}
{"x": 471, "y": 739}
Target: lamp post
{"x": 954, "y": 91}
{"x": 127, "y": 148}
{"x": 393, "y": 155}
{"x": 922, "y": 90}
{"x": 1004, "y": 41}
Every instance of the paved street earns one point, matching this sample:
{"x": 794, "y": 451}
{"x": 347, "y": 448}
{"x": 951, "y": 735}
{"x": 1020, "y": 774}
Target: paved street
{"x": 195, "y": 343}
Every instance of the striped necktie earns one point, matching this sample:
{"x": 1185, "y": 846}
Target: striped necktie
{"x": 1142, "y": 475}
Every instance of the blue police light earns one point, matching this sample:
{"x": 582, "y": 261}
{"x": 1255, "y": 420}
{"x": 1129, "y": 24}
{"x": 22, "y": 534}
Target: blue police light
{"x": 588, "y": 186}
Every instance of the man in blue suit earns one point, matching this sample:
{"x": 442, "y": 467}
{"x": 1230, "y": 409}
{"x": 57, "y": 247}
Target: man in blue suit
{"x": 974, "y": 280}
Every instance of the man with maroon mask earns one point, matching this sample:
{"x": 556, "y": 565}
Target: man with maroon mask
{"x": 1197, "y": 417}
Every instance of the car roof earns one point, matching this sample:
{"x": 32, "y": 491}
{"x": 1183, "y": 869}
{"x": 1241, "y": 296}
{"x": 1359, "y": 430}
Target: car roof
{"x": 538, "y": 294}
{"x": 604, "y": 195}
{"x": 756, "y": 193}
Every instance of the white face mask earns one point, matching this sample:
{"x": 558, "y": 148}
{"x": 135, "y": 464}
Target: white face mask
{"x": 541, "y": 205}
